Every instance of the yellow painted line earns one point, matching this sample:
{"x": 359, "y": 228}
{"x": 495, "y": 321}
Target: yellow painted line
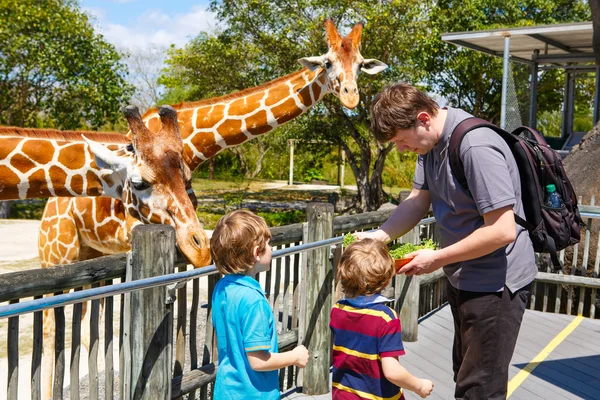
{"x": 518, "y": 379}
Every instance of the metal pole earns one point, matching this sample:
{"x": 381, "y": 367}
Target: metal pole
{"x": 597, "y": 97}
{"x": 533, "y": 93}
{"x": 504, "y": 82}
{"x": 341, "y": 168}
{"x": 291, "y": 143}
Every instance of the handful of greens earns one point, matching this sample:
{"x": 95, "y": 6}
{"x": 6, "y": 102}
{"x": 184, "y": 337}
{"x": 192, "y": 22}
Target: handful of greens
{"x": 349, "y": 239}
{"x": 400, "y": 250}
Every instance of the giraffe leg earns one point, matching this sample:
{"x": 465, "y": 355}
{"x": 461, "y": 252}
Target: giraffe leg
{"x": 87, "y": 253}
{"x": 58, "y": 244}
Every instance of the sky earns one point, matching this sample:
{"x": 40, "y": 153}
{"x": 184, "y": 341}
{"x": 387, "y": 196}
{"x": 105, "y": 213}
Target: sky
{"x": 131, "y": 24}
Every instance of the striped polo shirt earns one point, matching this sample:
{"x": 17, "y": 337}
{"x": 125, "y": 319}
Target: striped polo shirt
{"x": 364, "y": 330}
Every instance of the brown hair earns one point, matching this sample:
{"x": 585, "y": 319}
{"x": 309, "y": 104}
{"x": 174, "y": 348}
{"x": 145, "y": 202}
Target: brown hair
{"x": 396, "y": 107}
{"x": 365, "y": 268}
{"x": 234, "y": 238}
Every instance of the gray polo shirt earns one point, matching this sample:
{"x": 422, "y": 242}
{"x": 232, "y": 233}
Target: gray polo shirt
{"x": 493, "y": 180}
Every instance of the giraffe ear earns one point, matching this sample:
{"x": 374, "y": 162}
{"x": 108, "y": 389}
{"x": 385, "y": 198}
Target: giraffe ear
{"x": 313, "y": 63}
{"x": 107, "y": 159}
{"x": 372, "y": 66}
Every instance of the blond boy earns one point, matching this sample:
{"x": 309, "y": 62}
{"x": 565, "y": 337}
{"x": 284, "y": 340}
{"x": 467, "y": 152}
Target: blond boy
{"x": 243, "y": 320}
{"x": 367, "y": 336}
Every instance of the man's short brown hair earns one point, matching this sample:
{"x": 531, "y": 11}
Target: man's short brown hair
{"x": 233, "y": 241}
{"x": 365, "y": 268}
{"x": 396, "y": 107}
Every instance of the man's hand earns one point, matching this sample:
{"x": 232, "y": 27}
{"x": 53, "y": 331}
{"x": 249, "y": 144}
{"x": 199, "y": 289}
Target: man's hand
{"x": 425, "y": 262}
{"x": 376, "y": 234}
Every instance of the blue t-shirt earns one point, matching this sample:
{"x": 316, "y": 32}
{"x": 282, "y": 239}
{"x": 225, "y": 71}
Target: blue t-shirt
{"x": 243, "y": 322}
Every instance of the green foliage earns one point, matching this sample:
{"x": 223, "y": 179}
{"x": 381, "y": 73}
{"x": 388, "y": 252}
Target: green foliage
{"x": 312, "y": 174}
{"x": 55, "y": 70}
{"x": 281, "y": 218}
{"x": 399, "y": 169}
{"x": 349, "y": 239}
{"x": 472, "y": 80}
{"x": 27, "y": 209}
{"x": 400, "y": 250}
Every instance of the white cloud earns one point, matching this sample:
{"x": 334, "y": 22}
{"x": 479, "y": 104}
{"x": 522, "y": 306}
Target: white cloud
{"x": 95, "y": 12}
{"x": 156, "y": 28}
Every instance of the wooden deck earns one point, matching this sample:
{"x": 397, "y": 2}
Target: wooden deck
{"x": 570, "y": 369}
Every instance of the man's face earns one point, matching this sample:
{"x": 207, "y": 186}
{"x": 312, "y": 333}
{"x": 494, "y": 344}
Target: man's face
{"x": 418, "y": 139}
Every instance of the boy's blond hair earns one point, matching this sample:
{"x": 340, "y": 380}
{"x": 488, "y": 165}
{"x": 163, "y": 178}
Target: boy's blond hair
{"x": 234, "y": 238}
{"x": 365, "y": 268}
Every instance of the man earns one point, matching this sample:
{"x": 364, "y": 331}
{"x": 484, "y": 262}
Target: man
{"x": 487, "y": 258}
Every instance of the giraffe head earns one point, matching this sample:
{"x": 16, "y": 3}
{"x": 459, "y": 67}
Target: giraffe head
{"x": 343, "y": 63}
{"x": 155, "y": 180}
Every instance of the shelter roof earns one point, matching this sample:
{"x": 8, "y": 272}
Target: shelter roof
{"x": 557, "y": 44}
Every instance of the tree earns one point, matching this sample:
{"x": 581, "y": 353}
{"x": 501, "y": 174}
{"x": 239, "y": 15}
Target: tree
{"x": 144, "y": 70}
{"x": 472, "y": 80}
{"x": 264, "y": 40}
{"x": 55, "y": 70}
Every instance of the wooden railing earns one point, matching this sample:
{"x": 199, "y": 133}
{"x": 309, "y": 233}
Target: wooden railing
{"x": 299, "y": 287}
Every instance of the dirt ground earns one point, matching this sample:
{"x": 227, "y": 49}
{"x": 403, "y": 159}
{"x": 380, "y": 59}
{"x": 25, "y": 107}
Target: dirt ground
{"x": 18, "y": 252}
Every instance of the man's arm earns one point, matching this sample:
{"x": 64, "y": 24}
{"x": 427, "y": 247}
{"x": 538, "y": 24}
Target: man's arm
{"x": 499, "y": 229}
{"x": 403, "y": 219}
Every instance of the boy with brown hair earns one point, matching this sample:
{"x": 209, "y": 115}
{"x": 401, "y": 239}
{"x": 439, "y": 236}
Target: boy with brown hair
{"x": 245, "y": 327}
{"x": 366, "y": 332}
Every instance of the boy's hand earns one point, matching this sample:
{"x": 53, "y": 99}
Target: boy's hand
{"x": 425, "y": 388}
{"x": 301, "y": 354}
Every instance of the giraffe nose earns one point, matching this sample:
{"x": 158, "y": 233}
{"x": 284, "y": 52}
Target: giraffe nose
{"x": 349, "y": 95}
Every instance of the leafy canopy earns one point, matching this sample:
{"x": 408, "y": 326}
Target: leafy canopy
{"x": 54, "y": 69}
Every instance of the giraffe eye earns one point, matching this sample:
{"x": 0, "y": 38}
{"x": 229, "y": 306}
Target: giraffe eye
{"x": 327, "y": 64}
{"x": 141, "y": 185}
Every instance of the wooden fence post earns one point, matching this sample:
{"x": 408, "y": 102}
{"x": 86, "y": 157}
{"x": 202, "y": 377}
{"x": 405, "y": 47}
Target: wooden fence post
{"x": 153, "y": 254}
{"x": 407, "y": 295}
{"x": 316, "y": 301}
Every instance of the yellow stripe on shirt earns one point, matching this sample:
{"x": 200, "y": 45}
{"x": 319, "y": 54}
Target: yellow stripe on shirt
{"x": 364, "y": 311}
{"x": 365, "y": 395}
{"x": 263, "y": 347}
{"x": 355, "y": 353}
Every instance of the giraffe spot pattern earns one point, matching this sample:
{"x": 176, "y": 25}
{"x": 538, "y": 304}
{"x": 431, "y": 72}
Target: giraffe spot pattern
{"x": 245, "y": 105}
{"x": 73, "y": 156}
{"x": 286, "y": 111}
{"x": 31, "y": 148}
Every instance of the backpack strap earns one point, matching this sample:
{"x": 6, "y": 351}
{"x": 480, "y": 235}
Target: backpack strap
{"x": 456, "y": 165}
{"x": 456, "y": 138}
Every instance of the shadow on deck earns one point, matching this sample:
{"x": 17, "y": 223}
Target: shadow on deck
{"x": 570, "y": 370}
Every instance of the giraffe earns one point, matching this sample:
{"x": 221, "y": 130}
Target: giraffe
{"x": 146, "y": 173}
{"x": 211, "y": 126}
{"x": 208, "y": 127}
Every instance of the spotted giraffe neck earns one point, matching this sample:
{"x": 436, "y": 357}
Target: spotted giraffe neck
{"x": 211, "y": 126}
{"x": 47, "y": 163}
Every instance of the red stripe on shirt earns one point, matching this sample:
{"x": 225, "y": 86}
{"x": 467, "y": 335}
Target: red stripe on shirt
{"x": 359, "y": 323}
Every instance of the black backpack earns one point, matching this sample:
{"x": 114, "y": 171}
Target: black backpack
{"x": 550, "y": 229}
